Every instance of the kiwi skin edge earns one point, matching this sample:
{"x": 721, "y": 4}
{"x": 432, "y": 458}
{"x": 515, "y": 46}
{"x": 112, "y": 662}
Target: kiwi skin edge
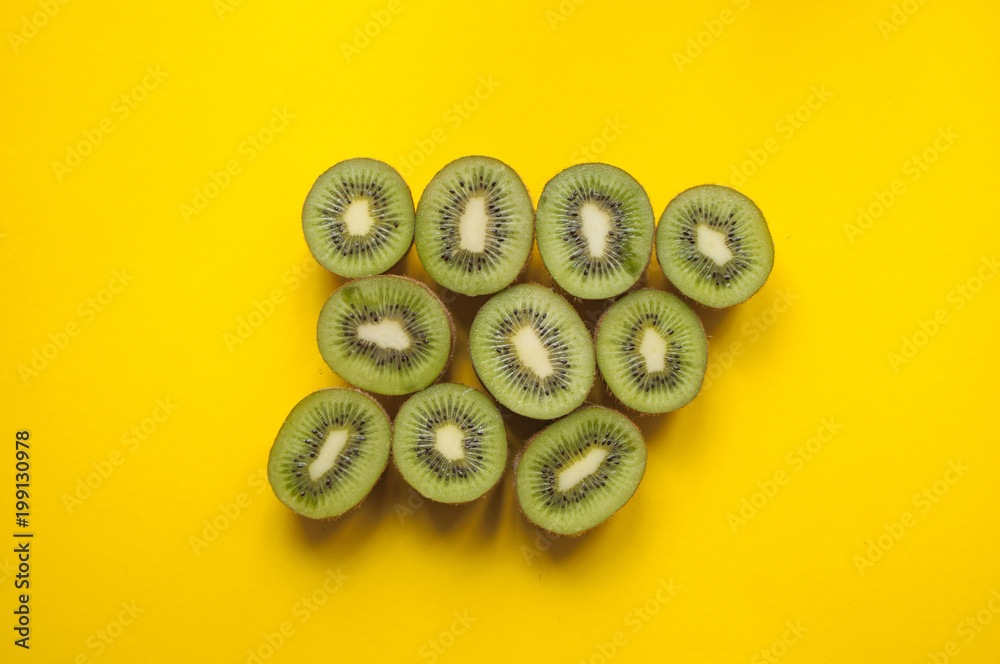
{"x": 517, "y": 460}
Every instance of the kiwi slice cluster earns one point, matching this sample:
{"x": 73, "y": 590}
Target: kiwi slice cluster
{"x": 474, "y": 228}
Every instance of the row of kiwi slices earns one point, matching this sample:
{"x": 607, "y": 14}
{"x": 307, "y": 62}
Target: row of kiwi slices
{"x": 449, "y": 443}
{"x": 474, "y": 227}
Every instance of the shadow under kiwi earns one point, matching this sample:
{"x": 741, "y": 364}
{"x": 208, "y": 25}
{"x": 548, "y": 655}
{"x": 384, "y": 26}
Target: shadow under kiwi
{"x": 713, "y": 320}
{"x": 331, "y": 282}
{"x": 492, "y": 508}
{"x": 520, "y": 429}
{"x": 391, "y": 403}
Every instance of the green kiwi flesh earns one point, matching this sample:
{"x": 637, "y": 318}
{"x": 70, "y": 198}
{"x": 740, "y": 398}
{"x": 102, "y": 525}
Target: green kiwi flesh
{"x": 652, "y": 351}
{"x": 580, "y": 470}
{"x": 532, "y": 352}
{"x": 474, "y": 225}
{"x": 358, "y": 218}
{"x": 386, "y": 334}
{"x": 713, "y": 244}
{"x": 449, "y": 443}
{"x": 595, "y": 230}
{"x": 330, "y": 451}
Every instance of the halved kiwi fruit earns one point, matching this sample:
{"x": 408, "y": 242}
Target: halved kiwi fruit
{"x": 329, "y": 452}
{"x": 385, "y": 334}
{"x": 358, "y": 218}
{"x": 532, "y": 352}
{"x": 449, "y": 443}
{"x": 474, "y": 226}
{"x": 652, "y": 351}
{"x": 713, "y": 244}
{"x": 595, "y": 230}
{"x": 580, "y": 470}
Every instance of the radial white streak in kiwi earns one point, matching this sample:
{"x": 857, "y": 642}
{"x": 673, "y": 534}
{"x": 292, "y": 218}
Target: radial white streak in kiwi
{"x": 472, "y": 225}
{"x": 579, "y": 471}
{"x": 595, "y": 225}
{"x": 334, "y": 443}
{"x": 712, "y": 243}
{"x": 385, "y": 334}
{"x": 358, "y": 217}
{"x": 532, "y": 353}
{"x": 653, "y": 350}
{"x": 448, "y": 441}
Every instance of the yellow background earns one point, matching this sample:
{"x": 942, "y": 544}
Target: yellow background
{"x": 606, "y": 77}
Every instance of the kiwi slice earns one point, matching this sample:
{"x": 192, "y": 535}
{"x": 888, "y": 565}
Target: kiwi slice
{"x": 714, "y": 245}
{"x": 595, "y": 230}
{"x": 652, "y": 351}
{"x": 449, "y": 443}
{"x": 580, "y": 470}
{"x": 385, "y": 334}
{"x": 474, "y": 226}
{"x": 329, "y": 452}
{"x": 532, "y": 351}
{"x": 358, "y": 218}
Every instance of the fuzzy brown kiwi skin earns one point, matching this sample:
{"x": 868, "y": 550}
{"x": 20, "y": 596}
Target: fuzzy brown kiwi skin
{"x": 328, "y": 519}
{"x": 445, "y": 502}
{"x": 608, "y": 390}
{"x": 517, "y": 460}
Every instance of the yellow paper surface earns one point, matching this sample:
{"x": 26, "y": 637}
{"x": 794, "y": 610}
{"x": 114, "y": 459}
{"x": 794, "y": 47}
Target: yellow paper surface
{"x": 830, "y": 496}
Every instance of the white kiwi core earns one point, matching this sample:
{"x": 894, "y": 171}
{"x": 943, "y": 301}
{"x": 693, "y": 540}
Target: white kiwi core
{"x": 358, "y": 217}
{"x": 579, "y": 471}
{"x": 532, "y": 352}
{"x": 712, "y": 244}
{"x": 387, "y": 334}
{"x": 473, "y": 224}
{"x": 334, "y": 443}
{"x": 595, "y": 225}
